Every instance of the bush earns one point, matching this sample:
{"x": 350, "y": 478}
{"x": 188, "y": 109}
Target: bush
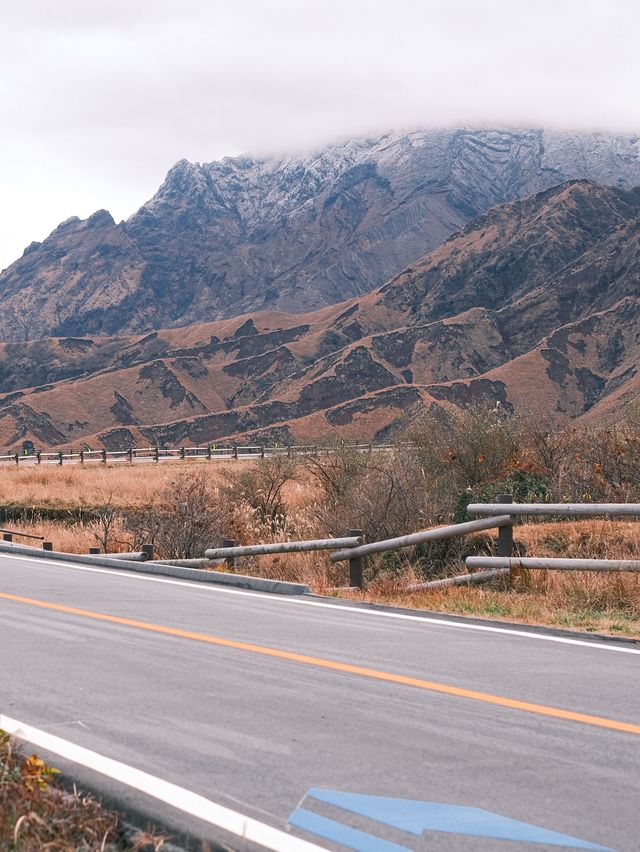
{"x": 190, "y": 517}
{"x": 383, "y": 494}
{"x": 261, "y": 488}
{"x": 467, "y": 447}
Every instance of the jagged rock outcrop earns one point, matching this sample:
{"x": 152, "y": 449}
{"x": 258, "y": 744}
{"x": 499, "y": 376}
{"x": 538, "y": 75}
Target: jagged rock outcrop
{"x": 287, "y": 234}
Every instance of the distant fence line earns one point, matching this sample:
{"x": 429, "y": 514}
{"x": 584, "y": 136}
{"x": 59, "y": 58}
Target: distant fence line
{"x": 211, "y": 452}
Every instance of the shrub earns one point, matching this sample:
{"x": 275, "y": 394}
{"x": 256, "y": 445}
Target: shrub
{"x": 191, "y": 515}
{"x": 261, "y": 488}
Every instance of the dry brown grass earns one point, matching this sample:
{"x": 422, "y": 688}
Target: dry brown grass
{"x": 579, "y": 600}
{"x": 91, "y": 484}
{"x": 37, "y": 814}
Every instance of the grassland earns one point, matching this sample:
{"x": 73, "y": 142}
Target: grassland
{"x": 583, "y": 601}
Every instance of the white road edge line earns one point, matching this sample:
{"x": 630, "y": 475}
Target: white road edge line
{"x": 177, "y": 797}
{"x": 440, "y": 622}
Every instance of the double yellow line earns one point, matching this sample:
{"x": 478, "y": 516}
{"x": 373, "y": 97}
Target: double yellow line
{"x": 332, "y": 665}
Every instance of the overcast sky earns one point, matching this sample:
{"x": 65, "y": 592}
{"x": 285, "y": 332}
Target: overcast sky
{"x": 98, "y": 98}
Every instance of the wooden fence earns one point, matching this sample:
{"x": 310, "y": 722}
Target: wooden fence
{"x": 353, "y": 549}
{"x": 211, "y": 452}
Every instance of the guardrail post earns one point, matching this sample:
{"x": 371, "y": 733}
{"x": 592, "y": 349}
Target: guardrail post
{"x": 104, "y": 456}
{"x": 235, "y": 455}
{"x": 148, "y": 549}
{"x": 289, "y": 451}
{"x": 39, "y": 457}
{"x": 355, "y": 564}
{"x": 157, "y": 453}
{"x": 181, "y": 452}
{"x": 505, "y": 534}
{"x": 17, "y": 457}
{"x": 262, "y": 451}
{"x": 229, "y": 542}
{"x": 130, "y": 455}
{"x": 81, "y": 456}
{"x": 7, "y": 537}
{"x": 94, "y": 551}
{"x": 209, "y": 452}
{"x": 60, "y": 457}
{"x": 47, "y": 545}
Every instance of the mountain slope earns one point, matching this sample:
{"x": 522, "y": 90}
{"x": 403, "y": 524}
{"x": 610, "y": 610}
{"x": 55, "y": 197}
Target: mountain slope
{"x": 289, "y": 234}
{"x": 535, "y": 303}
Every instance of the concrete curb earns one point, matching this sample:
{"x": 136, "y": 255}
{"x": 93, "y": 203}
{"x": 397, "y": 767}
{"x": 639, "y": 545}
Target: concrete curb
{"x": 258, "y": 584}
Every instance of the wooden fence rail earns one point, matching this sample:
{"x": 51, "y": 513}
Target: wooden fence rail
{"x": 210, "y": 452}
{"x": 352, "y": 548}
{"x": 551, "y": 564}
{"x": 506, "y": 557}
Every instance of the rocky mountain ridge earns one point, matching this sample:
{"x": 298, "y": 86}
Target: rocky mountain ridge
{"x": 535, "y": 303}
{"x": 287, "y": 234}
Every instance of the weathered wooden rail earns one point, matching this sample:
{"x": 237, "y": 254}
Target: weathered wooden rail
{"x": 353, "y": 549}
{"x": 507, "y": 560}
{"x": 212, "y": 452}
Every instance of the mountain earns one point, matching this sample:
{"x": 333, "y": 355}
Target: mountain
{"x": 288, "y": 234}
{"x": 535, "y": 303}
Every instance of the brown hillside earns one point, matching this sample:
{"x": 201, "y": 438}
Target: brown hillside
{"x": 536, "y": 303}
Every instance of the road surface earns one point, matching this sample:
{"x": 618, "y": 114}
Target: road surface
{"x": 293, "y": 714}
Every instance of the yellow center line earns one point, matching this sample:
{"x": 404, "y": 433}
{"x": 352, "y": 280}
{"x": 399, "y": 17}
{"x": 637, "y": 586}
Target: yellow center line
{"x": 333, "y": 665}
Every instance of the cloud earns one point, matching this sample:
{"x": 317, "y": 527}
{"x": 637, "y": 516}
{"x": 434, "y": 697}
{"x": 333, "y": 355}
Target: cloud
{"x": 98, "y": 99}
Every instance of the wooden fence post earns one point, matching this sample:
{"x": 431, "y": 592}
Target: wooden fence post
{"x": 181, "y": 452}
{"x": 81, "y": 456}
{"x": 505, "y": 534}
{"x": 39, "y": 457}
{"x": 209, "y": 452}
{"x": 60, "y": 457}
{"x": 355, "y": 564}
{"x": 229, "y": 542}
{"x": 130, "y": 455}
{"x": 104, "y": 456}
{"x": 157, "y": 453}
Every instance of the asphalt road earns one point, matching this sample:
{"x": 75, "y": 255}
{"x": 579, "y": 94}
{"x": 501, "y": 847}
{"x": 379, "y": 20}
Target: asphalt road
{"x": 252, "y": 701}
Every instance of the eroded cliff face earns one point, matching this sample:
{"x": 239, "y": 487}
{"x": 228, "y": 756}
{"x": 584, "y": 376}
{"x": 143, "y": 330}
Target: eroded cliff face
{"x": 289, "y": 234}
{"x": 536, "y": 304}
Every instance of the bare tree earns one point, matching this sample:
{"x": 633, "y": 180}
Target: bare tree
{"x": 108, "y": 519}
{"x": 261, "y": 487}
{"x": 190, "y": 517}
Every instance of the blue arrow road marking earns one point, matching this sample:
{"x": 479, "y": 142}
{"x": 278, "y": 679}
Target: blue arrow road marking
{"x": 329, "y": 829}
{"x": 416, "y": 817}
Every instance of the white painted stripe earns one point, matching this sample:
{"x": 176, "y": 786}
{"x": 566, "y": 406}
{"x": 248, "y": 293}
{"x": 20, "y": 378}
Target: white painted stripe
{"x": 184, "y": 800}
{"x": 345, "y": 610}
